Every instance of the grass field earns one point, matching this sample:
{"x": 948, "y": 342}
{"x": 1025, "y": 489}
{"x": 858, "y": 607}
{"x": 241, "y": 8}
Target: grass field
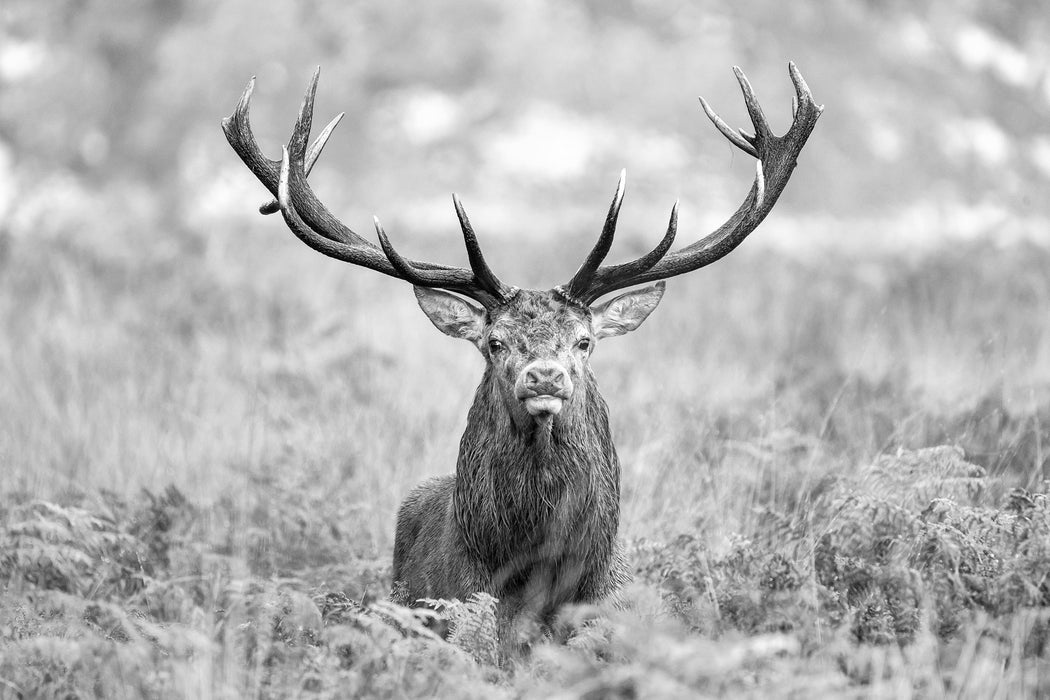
{"x": 203, "y": 450}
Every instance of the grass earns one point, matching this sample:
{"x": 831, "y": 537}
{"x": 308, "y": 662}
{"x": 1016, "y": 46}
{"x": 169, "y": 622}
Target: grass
{"x": 203, "y": 451}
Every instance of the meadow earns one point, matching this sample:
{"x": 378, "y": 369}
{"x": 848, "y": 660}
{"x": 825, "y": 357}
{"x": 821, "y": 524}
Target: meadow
{"x": 834, "y": 441}
{"x": 834, "y": 478}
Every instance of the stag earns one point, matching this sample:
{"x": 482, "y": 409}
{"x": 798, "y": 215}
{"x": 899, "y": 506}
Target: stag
{"x": 532, "y": 512}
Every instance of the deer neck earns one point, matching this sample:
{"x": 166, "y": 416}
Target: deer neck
{"x": 576, "y": 440}
{"x": 517, "y": 487}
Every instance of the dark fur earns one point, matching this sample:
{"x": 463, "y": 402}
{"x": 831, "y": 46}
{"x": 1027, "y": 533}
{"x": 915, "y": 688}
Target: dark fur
{"x": 530, "y": 516}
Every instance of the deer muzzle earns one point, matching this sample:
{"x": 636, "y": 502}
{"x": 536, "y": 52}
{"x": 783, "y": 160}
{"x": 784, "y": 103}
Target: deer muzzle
{"x": 543, "y": 386}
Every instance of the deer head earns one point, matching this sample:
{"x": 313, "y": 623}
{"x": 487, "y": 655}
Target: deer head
{"x": 536, "y": 343}
{"x": 315, "y": 225}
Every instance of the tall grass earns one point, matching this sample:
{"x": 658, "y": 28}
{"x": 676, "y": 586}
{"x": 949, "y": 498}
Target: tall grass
{"x": 294, "y": 401}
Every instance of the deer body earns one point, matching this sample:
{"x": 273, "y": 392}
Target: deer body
{"x": 532, "y": 513}
{"x": 530, "y": 516}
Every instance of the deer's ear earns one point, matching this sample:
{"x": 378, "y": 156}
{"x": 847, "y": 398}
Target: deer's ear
{"x": 452, "y": 315}
{"x": 626, "y": 312}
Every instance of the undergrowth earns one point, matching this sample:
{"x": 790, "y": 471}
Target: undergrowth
{"x": 906, "y": 574}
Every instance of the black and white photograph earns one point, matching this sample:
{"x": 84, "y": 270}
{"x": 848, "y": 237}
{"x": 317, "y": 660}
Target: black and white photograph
{"x": 560, "y": 350}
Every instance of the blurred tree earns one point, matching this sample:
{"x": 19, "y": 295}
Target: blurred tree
{"x": 927, "y": 102}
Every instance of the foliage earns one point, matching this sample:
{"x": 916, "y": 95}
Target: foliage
{"x": 919, "y": 553}
{"x": 83, "y": 615}
{"x": 766, "y": 561}
{"x": 793, "y": 529}
{"x": 916, "y": 549}
{"x": 472, "y": 625}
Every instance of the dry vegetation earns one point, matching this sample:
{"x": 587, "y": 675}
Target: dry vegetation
{"x": 202, "y": 464}
{"x": 835, "y": 463}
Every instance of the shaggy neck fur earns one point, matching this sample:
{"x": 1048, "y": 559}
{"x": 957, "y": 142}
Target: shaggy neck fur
{"x": 530, "y": 500}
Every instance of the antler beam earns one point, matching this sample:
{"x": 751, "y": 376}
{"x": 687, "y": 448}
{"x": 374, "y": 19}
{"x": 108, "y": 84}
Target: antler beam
{"x": 315, "y": 225}
{"x": 776, "y": 159}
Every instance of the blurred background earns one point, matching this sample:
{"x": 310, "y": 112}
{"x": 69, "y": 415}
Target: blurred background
{"x": 936, "y": 122}
{"x": 156, "y": 329}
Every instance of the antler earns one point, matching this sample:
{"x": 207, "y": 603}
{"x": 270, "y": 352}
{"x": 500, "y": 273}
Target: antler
{"x": 315, "y": 225}
{"x": 776, "y": 158}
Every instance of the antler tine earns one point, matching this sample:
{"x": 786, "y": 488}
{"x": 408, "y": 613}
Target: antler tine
{"x": 656, "y": 254}
{"x": 238, "y": 130}
{"x": 365, "y": 256}
{"x": 727, "y": 131}
{"x": 385, "y": 260}
{"x": 754, "y": 109}
{"x": 776, "y": 157}
{"x": 273, "y": 206}
{"x": 582, "y": 279}
{"x": 304, "y": 121}
{"x": 635, "y": 267}
{"x": 465, "y": 283}
{"x": 482, "y": 272}
{"x": 239, "y": 119}
{"x": 404, "y": 268}
{"x": 803, "y": 98}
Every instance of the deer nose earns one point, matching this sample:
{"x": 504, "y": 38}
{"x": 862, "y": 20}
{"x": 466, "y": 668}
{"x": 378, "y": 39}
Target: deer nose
{"x": 545, "y": 378}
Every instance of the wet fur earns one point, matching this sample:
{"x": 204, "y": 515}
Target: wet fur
{"x": 532, "y": 512}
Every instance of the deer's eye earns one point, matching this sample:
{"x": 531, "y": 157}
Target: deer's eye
{"x": 495, "y": 346}
{"x": 584, "y": 344}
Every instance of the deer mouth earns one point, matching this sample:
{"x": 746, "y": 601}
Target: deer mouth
{"x": 544, "y": 405}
